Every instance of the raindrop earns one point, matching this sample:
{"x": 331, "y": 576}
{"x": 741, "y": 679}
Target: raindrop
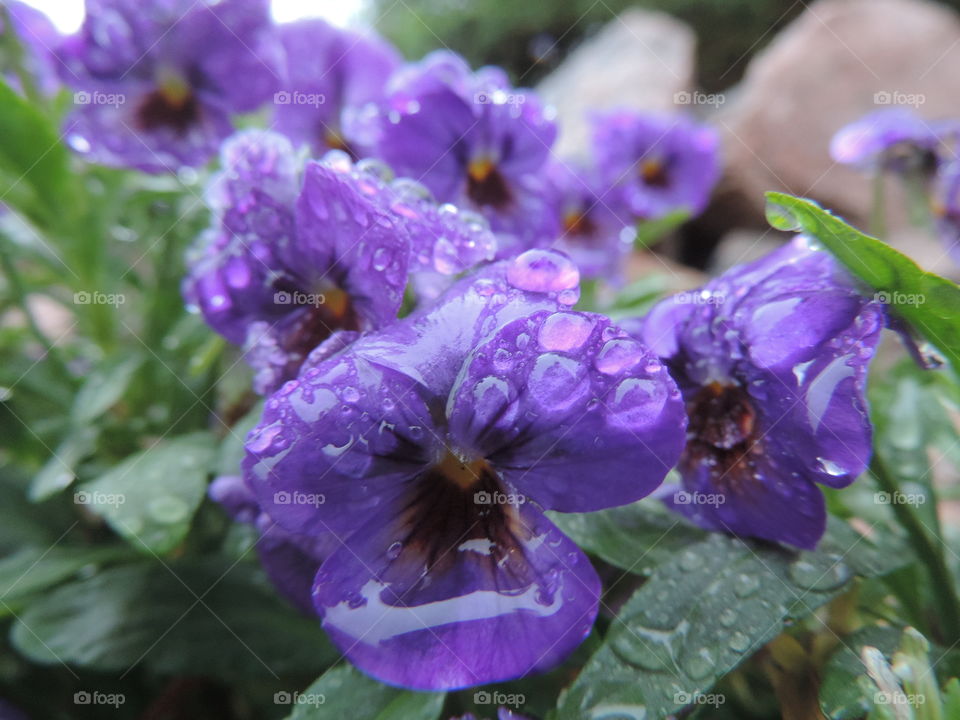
{"x": 699, "y": 665}
{"x": 728, "y": 617}
{"x": 738, "y": 642}
{"x": 543, "y": 271}
{"x": 746, "y": 585}
{"x": 690, "y": 560}
{"x": 393, "y": 552}
{"x": 781, "y": 218}
{"x": 812, "y": 576}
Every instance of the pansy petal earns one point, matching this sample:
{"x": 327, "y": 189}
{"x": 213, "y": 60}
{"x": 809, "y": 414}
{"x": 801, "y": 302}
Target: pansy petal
{"x": 570, "y": 410}
{"x": 489, "y": 609}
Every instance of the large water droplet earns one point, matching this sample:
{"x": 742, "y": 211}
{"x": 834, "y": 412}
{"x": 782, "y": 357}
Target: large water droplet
{"x": 698, "y": 664}
{"x": 738, "y": 642}
{"x": 645, "y": 648}
{"x": 543, "y": 271}
{"x": 728, "y": 617}
{"x": 746, "y": 585}
{"x": 781, "y": 218}
{"x": 565, "y": 331}
{"x": 819, "y": 576}
{"x": 619, "y": 355}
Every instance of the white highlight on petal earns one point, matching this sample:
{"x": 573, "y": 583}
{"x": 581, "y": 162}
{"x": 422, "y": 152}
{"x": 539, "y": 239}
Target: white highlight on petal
{"x": 821, "y": 390}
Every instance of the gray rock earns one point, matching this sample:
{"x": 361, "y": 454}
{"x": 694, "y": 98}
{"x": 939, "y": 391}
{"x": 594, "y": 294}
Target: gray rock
{"x": 839, "y": 60}
{"x": 640, "y": 60}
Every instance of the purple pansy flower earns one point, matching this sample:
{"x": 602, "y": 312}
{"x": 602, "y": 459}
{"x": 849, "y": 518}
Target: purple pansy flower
{"x": 289, "y": 559}
{"x": 946, "y": 207}
{"x": 157, "y": 82}
{"x": 655, "y": 163}
{"x": 38, "y": 39}
{"x": 297, "y": 254}
{"x": 472, "y": 140}
{"x": 894, "y": 139}
{"x": 330, "y": 72}
{"x": 592, "y": 232}
{"x": 438, "y": 442}
{"x": 771, "y": 358}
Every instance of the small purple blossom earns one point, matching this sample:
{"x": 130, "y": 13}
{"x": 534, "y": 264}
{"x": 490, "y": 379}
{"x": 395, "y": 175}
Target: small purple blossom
{"x": 472, "y": 140}
{"x": 296, "y": 255}
{"x": 655, "y": 164}
{"x": 438, "y": 442}
{"x": 592, "y": 232}
{"x": 771, "y": 358}
{"x": 895, "y": 139}
{"x": 157, "y": 82}
{"x": 330, "y": 74}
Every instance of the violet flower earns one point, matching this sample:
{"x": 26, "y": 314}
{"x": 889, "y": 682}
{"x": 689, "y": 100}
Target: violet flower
{"x": 771, "y": 358}
{"x": 472, "y": 140}
{"x": 297, "y": 255}
{"x": 593, "y": 233}
{"x": 655, "y": 164}
{"x": 437, "y": 443}
{"x": 157, "y": 82}
{"x": 329, "y": 74}
{"x": 894, "y": 139}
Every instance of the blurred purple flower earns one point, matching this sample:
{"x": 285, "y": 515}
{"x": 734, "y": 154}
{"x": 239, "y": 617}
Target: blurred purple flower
{"x": 294, "y": 256}
{"x": 591, "y": 232}
{"x": 437, "y": 444}
{"x": 472, "y": 140}
{"x": 771, "y": 358}
{"x": 330, "y": 73}
{"x": 654, "y": 164}
{"x": 895, "y": 139}
{"x": 157, "y": 81}
{"x": 946, "y": 207}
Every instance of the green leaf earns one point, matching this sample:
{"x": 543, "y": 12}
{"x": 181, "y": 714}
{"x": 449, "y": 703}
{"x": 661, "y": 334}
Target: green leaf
{"x": 649, "y": 232}
{"x": 345, "y": 692}
{"x": 208, "y": 616}
{"x": 59, "y": 471}
{"x": 841, "y": 696}
{"x": 34, "y": 164}
{"x": 702, "y": 613}
{"x": 150, "y": 498}
{"x": 104, "y": 387}
{"x": 34, "y": 569}
{"x": 634, "y": 537}
{"x": 928, "y": 302}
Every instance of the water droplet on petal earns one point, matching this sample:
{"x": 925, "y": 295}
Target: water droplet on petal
{"x": 565, "y": 331}
{"x": 543, "y": 271}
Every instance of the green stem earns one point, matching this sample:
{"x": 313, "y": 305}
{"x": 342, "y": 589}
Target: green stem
{"x": 14, "y": 50}
{"x": 20, "y": 297}
{"x": 929, "y": 550}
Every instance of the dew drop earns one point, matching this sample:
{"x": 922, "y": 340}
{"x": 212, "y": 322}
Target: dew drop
{"x": 393, "y": 552}
{"x": 728, "y": 617}
{"x": 746, "y": 585}
{"x": 543, "y": 271}
{"x": 565, "y": 331}
{"x": 738, "y": 642}
{"x": 699, "y": 664}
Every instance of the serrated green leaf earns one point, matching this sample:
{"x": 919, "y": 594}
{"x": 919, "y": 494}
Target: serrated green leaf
{"x": 928, "y": 302}
{"x": 345, "y": 692}
{"x": 210, "y": 617}
{"x": 150, "y": 498}
{"x": 701, "y": 614}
